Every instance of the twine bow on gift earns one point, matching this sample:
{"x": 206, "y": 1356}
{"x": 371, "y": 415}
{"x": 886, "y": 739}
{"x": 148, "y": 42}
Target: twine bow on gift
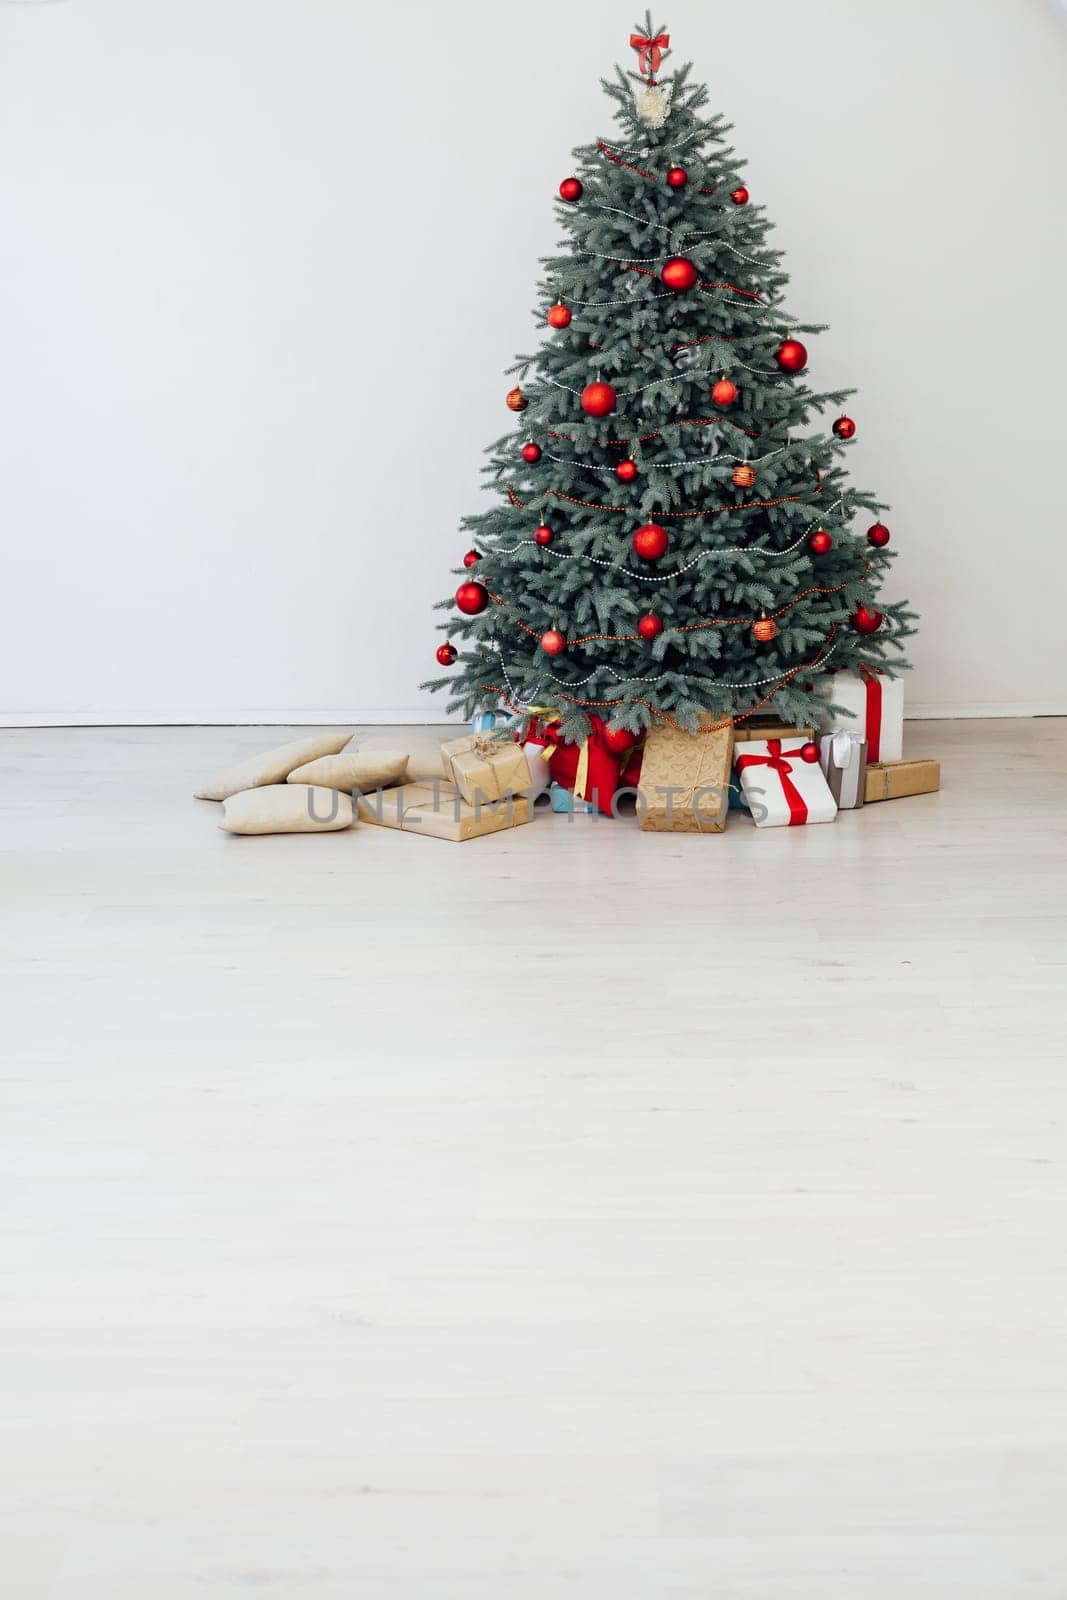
{"x": 774, "y": 759}
{"x": 649, "y": 50}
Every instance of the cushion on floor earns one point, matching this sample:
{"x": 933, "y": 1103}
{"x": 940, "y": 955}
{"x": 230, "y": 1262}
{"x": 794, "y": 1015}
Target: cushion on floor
{"x": 355, "y": 769}
{"x": 271, "y": 766}
{"x": 286, "y": 808}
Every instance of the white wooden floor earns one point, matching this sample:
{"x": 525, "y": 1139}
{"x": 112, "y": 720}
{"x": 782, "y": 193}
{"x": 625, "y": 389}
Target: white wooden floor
{"x": 573, "y": 1213}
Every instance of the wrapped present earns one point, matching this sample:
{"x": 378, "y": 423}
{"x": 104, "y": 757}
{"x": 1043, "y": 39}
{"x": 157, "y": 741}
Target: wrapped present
{"x": 483, "y": 768}
{"x": 592, "y": 769}
{"x": 537, "y": 749}
{"x": 768, "y": 727}
{"x": 437, "y": 809}
{"x": 843, "y": 758}
{"x": 565, "y": 802}
{"x": 784, "y": 790}
{"x": 893, "y": 780}
{"x": 874, "y": 708}
{"x": 483, "y": 722}
{"x": 685, "y": 779}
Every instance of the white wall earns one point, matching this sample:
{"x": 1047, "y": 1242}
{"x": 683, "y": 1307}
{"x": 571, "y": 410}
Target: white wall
{"x": 264, "y": 261}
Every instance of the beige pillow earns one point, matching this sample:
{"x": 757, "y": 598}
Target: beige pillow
{"x": 423, "y": 750}
{"x": 286, "y": 808}
{"x": 355, "y": 769}
{"x": 272, "y": 766}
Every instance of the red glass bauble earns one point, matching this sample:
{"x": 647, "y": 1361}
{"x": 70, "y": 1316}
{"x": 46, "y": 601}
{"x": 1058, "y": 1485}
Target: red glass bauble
{"x": 598, "y": 399}
{"x": 619, "y": 740}
{"x": 516, "y": 400}
{"x": 724, "y": 393}
{"x": 472, "y": 598}
{"x": 446, "y": 654}
{"x": 743, "y": 475}
{"x": 865, "y": 621}
{"x": 471, "y": 557}
{"x": 764, "y": 630}
{"x": 820, "y": 543}
{"x": 845, "y": 428}
{"x": 558, "y": 315}
{"x": 542, "y": 534}
{"x": 809, "y": 752}
{"x": 739, "y": 196}
{"x": 679, "y": 274}
{"x": 570, "y": 189}
{"x": 626, "y": 471}
{"x": 878, "y": 535}
{"x": 650, "y": 541}
{"x": 791, "y": 355}
{"x": 552, "y": 642}
{"x": 531, "y": 452}
{"x": 650, "y": 627}
{"x": 677, "y": 177}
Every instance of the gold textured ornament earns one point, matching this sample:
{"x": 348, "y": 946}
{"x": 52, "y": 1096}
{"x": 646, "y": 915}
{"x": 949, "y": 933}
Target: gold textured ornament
{"x": 516, "y": 400}
{"x": 744, "y": 476}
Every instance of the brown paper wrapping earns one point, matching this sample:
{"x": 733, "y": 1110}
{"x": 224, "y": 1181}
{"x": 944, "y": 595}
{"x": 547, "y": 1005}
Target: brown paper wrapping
{"x": 436, "y": 808}
{"x": 769, "y": 728}
{"x": 893, "y": 780}
{"x": 483, "y": 768}
{"x": 685, "y": 779}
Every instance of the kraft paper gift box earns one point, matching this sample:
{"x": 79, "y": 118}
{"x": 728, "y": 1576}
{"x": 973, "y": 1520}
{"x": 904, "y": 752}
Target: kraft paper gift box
{"x": 437, "y": 809}
{"x": 685, "y": 779}
{"x": 843, "y": 758}
{"x": 894, "y": 780}
{"x": 783, "y": 791}
{"x": 485, "y": 769}
{"x": 875, "y": 704}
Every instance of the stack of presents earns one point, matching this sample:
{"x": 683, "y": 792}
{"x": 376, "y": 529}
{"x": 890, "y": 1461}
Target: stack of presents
{"x": 770, "y": 774}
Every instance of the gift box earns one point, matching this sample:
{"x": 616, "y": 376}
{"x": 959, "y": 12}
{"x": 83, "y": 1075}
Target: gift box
{"x": 483, "y": 768}
{"x": 784, "y": 790}
{"x": 591, "y": 768}
{"x": 843, "y": 759}
{"x": 894, "y": 780}
{"x": 875, "y": 707}
{"x": 685, "y": 779}
{"x": 483, "y": 722}
{"x": 437, "y": 809}
{"x": 563, "y": 801}
{"x": 766, "y": 727}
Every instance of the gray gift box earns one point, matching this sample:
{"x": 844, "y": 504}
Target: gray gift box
{"x": 843, "y": 758}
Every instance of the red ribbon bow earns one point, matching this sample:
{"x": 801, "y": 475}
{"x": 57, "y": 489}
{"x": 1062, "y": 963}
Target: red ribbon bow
{"x": 798, "y": 811}
{"x": 647, "y": 47}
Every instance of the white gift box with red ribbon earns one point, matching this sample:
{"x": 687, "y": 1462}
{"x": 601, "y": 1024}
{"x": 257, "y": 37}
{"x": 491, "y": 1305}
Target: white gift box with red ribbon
{"x": 783, "y": 789}
{"x": 876, "y": 706}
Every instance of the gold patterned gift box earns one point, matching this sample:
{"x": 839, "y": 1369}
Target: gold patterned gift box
{"x": 685, "y": 779}
{"x": 483, "y": 768}
{"x": 437, "y": 809}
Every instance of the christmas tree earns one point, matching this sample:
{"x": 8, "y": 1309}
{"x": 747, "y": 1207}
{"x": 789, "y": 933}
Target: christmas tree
{"x": 674, "y": 530}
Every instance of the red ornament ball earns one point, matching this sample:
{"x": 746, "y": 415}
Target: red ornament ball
{"x": 570, "y": 189}
{"x": 865, "y": 621}
{"x": 552, "y": 642}
{"x": 626, "y": 471}
{"x": 809, "y": 752}
{"x": 619, "y": 740}
{"x": 558, "y": 316}
{"x": 820, "y": 543}
{"x": 677, "y": 177}
{"x": 764, "y": 630}
{"x": 542, "y": 534}
{"x": 446, "y": 654}
{"x": 743, "y": 476}
{"x": 472, "y": 598}
{"x": 650, "y": 627}
{"x": 598, "y": 399}
{"x": 791, "y": 355}
{"x": 739, "y": 196}
{"x": 471, "y": 557}
{"x": 845, "y": 428}
{"x": 878, "y": 535}
{"x": 679, "y": 274}
{"x": 531, "y": 452}
{"x": 516, "y": 400}
{"x": 650, "y": 541}
{"x": 724, "y": 393}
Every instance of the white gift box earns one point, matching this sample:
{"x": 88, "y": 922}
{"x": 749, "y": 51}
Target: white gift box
{"x": 782, "y": 790}
{"x": 843, "y": 758}
{"x": 876, "y": 704}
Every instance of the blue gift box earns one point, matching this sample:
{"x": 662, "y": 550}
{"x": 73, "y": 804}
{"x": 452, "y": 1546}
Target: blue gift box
{"x": 563, "y": 800}
{"x": 483, "y": 722}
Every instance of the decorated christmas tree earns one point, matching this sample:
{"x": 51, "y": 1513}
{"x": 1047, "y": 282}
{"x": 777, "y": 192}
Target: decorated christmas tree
{"x": 674, "y": 532}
